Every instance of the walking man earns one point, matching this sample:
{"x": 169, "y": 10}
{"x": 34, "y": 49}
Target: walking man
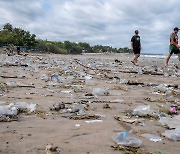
{"x": 173, "y": 47}
{"x": 136, "y": 46}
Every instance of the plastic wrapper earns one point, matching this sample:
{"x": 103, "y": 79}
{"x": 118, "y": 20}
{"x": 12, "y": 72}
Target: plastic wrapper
{"x": 172, "y": 134}
{"x": 142, "y": 110}
{"x": 125, "y": 139}
{"x": 100, "y": 91}
{"x": 152, "y": 137}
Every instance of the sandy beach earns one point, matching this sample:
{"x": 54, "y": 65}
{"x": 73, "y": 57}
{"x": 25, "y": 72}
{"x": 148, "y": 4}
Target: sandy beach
{"x": 101, "y": 87}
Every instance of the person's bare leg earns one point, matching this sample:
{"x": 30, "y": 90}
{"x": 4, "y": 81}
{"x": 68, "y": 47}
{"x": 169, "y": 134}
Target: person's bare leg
{"x": 167, "y": 59}
{"x": 133, "y": 61}
{"x": 179, "y": 56}
{"x": 136, "y": 57}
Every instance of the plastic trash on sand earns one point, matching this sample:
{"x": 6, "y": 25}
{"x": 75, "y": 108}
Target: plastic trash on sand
{"x": 44, "y": 77}
{"x": 125, "y": 139}
{"x": 77, "y": 107}
{"x": 93, "y": 121}
{"x": 142, "y": 110}
{"x": 152, "y": 137}
{"x": 162, "y": 88}
{"x": 100, "y": 91}
{"x": 172, "y": 134}
{"x": 88, "y": 79}
{"x": 23, "y": 105}
{"x": 170, "y": 122}
{"x": 173, "y": 110}
{"x": 8, "y": 110}
{"x": 12, "y": 84}
{"x": 55, "y": 77}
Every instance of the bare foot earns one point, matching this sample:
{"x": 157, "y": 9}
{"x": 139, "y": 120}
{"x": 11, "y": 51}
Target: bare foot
{"x": 133, "y": 62}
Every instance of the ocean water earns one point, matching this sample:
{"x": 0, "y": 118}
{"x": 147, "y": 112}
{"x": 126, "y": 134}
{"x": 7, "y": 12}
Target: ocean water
{"x": 160, "y": 56}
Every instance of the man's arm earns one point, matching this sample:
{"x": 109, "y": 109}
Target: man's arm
{"x": 131, "y": 45}
{"x": 132, "y": 39}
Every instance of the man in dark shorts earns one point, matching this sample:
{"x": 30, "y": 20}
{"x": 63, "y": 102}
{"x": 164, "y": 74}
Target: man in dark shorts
{"x": 173, "y": 47}
{"x": 136, "y": 46}
{"x": 18, "y": 50}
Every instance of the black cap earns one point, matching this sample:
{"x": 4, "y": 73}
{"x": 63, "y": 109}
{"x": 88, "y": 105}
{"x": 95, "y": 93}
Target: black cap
{"x": 136, "y": 31}
{"x": 176, "y": 28}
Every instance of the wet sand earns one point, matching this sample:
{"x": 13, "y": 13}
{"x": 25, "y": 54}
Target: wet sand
{"x": 32, "y": 132}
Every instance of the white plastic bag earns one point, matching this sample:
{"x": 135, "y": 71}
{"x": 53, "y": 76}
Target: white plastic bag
{"x": 125, "y": 139}
{"x": 142, "y": 110}
{"x": 172, "y": 134}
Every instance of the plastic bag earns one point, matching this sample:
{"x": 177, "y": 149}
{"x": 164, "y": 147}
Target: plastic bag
{"x": 23, "y": 105}
{"x": 170, "y": 122}
{"x": 152, "y": 137}
{"x": 76, "y": 107}
{"x": 162, "y": 88}
{"x": 44, "y": 77}
{"x": 88, "y": 79}
{"x": 100, "y": 91}
{"x": 55, "y": 77}
{"x": 142, "y": 110}
{"x": 8, "y": 110}
{"x": 12, "y": 84}
{"x": 124, "y": 139}
{"x": 172, "y": 134}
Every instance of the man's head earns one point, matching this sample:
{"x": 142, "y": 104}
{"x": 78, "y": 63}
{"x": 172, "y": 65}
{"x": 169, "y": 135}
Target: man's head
{"x": 136, "y": 32}
{"x": 176, "y": 29}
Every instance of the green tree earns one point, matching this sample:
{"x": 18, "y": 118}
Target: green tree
{"x": 8, "y": 27}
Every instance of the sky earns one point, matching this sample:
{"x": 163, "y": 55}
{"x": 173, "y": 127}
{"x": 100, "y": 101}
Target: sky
{"x": 97, "y": 22}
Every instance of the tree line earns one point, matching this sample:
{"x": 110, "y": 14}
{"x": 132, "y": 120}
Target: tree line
{"x": 20, "y": 37}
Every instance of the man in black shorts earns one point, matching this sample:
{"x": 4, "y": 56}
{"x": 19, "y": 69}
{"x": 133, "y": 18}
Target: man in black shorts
{"x": 136, "y": 46}
{"x": 173, "y": 47}
{"x": 18, "y": 50}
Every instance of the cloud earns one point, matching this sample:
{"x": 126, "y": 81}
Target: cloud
{"x": 106, "y": 22}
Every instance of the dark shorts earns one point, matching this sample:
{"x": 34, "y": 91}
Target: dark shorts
{"x": 136, "y": 51}
{"x": 173, "y": 49}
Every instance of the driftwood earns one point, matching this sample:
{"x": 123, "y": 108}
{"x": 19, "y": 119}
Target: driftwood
{"x": 134, "y": 83}
{"x": 122, "y": 71}
{"x": 3, "y": 76}
{"x": 77, "y": 61}
{"x": 83, "y": 117}
{"x": 26, "y": 86}
{"x": 20, "y": 77}
{"x": 146, "y": 72}
{"x": 16, "y": 65}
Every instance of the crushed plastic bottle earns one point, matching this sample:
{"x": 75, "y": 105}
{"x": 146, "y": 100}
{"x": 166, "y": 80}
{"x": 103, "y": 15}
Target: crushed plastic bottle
{"x": 142, "y": 110}
{"x": 125, "y": 139}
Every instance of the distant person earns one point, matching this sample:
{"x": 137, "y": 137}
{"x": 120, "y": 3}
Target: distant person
{"x": 18, "y": 50}
{"x": 136, "y": 46}
{"x": 173, "y": 47}
{"x": 11, "y": 49}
